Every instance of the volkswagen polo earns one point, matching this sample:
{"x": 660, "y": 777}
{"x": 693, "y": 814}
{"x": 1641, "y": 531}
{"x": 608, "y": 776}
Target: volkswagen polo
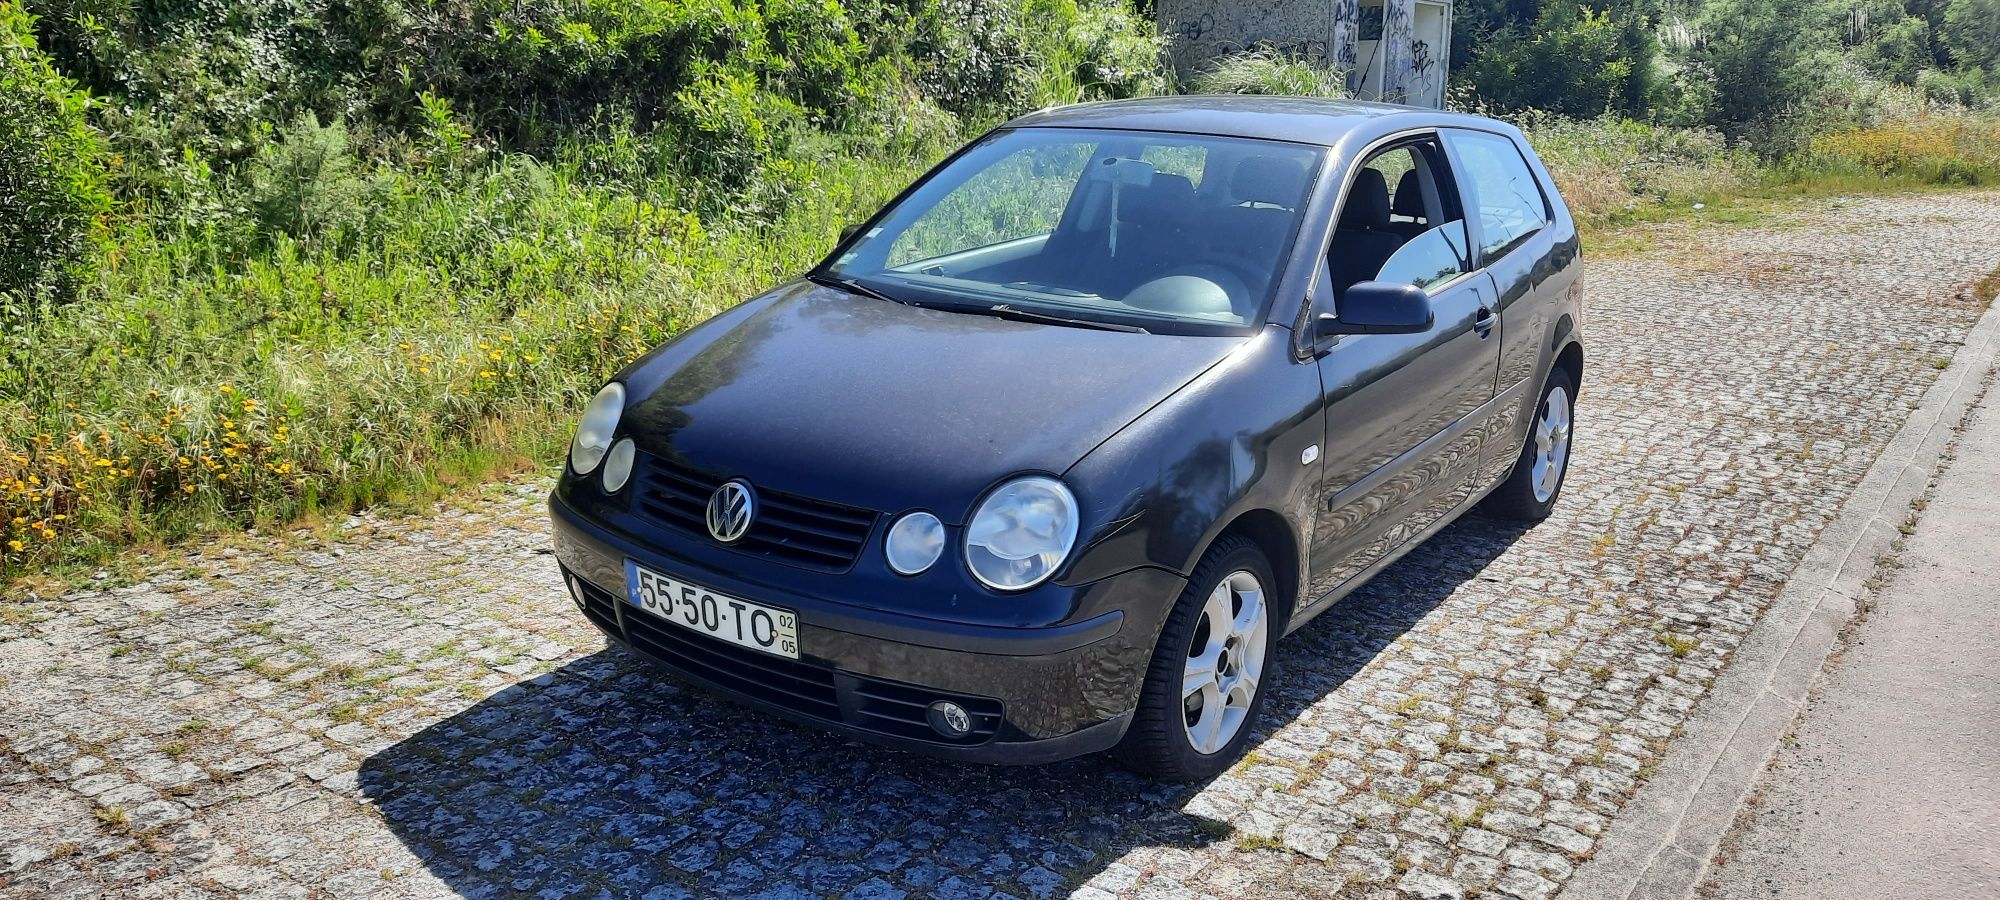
{"x": 1046, "y": 455}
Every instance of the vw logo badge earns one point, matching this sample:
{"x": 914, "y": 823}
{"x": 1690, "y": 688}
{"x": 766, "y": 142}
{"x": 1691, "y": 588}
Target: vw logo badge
{"x": 730, "y": 511}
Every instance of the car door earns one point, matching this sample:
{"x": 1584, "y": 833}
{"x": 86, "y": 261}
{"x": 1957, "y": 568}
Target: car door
{"x": 1513, "y": 238}
{"x": 1401, "y": 449}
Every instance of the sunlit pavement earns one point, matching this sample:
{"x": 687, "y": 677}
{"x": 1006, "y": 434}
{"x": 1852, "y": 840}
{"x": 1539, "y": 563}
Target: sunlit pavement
{"x": 414, "y": 709}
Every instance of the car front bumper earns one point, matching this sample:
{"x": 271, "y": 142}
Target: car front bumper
{"x": 1040, "y": 694}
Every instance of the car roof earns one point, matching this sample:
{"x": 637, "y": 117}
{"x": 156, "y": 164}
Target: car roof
{"x": 1306, "y": 120}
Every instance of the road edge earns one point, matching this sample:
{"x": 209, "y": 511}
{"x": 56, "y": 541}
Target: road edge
{"x": 1660, "y": 846}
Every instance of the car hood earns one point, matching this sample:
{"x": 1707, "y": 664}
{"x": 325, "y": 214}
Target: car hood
{"x": 891, "y": 407}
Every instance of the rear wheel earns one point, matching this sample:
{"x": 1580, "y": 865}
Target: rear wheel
{"x": 1204, "y": 689}
{"x": 1531, "y": 489}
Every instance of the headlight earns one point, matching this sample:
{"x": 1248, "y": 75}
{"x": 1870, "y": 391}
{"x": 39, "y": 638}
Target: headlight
{"x": 1021, "y": 533}
{"x": 914, "y": 542}
{"x": 593, "y": 434}
{"x": 618, "y": 465}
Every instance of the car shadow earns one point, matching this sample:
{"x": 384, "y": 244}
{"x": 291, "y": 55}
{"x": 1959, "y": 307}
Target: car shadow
{"x": 607, "y": 777}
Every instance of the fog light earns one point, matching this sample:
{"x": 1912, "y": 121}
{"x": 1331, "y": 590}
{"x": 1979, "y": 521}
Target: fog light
{"x": 575, "y": 592}
{"x": 949, "y": 719}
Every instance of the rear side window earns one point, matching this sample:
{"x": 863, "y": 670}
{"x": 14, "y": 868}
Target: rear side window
{"x": 1509, "y": 200}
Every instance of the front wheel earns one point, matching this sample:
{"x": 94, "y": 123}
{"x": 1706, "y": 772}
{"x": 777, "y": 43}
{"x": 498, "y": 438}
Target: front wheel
{"x": 1531, "y": 489}
{"x": 1204, "y": 689}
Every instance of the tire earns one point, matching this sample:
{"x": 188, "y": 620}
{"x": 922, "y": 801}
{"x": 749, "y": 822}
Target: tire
{"x": 1161, "y": 741}
{"x": 1525, "y": 495}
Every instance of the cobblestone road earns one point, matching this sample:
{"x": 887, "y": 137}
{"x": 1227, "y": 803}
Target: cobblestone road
{"x": 414, "y": 709}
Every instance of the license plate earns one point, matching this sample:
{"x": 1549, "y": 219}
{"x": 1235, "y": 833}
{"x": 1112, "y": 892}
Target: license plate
{"x": 696, "y": 608}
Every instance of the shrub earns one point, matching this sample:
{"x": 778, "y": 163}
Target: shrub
{"x": 1095, "y": 50}
{"x": 1573, "y": 61}
{"x": 1268, "y": 72}
{"x": 824, "y": 65}
{"x": 973, "y": 56}
{"x": 1608, "y": 165}
{"x": 1900, "y": 51}
{"x": 52, "y": 182}
{"x": 305, "y": 184}
{"x": 727, "y": 131}
{"x": 1930, "y": 149}
{"x": 1764, "y": 56}
{"x": 1972, "y": 31}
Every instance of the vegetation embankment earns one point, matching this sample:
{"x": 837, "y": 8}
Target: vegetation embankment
{"x": 285, "y": 257}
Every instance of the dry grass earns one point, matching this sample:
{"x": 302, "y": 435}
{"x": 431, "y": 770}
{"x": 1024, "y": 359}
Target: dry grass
{"x": 1930, "y": 149}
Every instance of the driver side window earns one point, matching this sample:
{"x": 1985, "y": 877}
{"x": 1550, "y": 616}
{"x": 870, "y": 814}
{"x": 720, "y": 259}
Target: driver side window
{"x": 1400, "y": 222}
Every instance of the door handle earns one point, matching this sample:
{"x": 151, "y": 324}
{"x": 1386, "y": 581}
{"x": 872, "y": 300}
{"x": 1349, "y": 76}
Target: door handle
{"x": 1484, "y": 324}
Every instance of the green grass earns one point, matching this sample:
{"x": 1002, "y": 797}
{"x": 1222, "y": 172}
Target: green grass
{"x": 198, "y": 392}
{"x": 420, "y": 327}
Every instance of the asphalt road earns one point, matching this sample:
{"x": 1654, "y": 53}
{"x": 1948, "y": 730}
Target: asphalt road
{"x": 1891, "y": 784}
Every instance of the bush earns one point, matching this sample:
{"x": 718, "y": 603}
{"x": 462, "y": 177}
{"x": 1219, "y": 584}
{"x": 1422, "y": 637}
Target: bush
{"x": 823, "y": 64}
{"x": 1268, "y": 72}
{"x": 1572, "y": 61}
{"x": 973, "y": 56}
{"x": 1931, "y": 149}
{"x": 1972, "y": 32}
{"x": 1900, "y": 51}
{"x": 725, "y": 127}
{"x": 1095, "y": 50}
{"x": 52, "y": 182}
{"x": 306, "y": 185}
{"x": 1608, "y": 165}
{"x": 1764, "y": 56}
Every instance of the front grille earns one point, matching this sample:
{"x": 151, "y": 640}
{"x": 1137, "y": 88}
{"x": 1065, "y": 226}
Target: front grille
{"x": 815, "y": 691}
{"x": 789, "y": 528}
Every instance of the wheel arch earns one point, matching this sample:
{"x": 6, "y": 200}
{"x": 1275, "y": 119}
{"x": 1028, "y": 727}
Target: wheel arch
{"x": 1570, "y": 358}
{"x": 1281, "y": 546}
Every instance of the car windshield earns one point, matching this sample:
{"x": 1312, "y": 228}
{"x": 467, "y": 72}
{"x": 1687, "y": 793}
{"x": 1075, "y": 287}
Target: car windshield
{"x": 1113, "y": 228}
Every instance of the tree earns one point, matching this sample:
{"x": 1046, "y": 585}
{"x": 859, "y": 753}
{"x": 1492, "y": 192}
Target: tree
{"x": 1899, "y": 50}
{"x": 1764, "y": 56}
{"x": 1972, "y": 33}
{"x": 1572, "y": 60}
{"x": 51, "y": 172}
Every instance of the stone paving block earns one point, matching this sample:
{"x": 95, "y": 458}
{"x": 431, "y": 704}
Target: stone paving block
{"x": 1468, "y": 724}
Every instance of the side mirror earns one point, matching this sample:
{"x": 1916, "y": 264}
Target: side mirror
{"x": 848, "y": 231}
{"x": 1378, "y": 307}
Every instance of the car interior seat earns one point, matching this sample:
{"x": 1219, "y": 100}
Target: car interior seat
{"x": 1408, "y": 206}
{"x": 1363, "y": 239}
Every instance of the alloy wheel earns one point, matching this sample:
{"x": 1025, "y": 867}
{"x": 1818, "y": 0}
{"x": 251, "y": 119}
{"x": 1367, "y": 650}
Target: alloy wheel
{"x": 1225, "y": 659}
{"x": 1551, "y": 444}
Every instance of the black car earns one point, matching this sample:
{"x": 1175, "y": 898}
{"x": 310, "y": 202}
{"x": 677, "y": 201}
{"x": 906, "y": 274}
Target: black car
{"x": 1048, "y": 453}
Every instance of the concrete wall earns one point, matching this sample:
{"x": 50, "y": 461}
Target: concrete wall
{"x": 1201, "y": 30}
{"x": 1405, "y": 66}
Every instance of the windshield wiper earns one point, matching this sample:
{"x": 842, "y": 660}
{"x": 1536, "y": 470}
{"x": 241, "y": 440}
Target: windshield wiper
{"x": 1009, "y": 312}
{"x": 855, "y": 287}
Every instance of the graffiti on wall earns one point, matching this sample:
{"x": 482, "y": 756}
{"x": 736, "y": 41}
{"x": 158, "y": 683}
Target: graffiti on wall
{"x": 1387, "y": 49}
{"x": 1398, "y": 62}
{"x": 1346, "y": 35}
{"x": 1201, "y": 30}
